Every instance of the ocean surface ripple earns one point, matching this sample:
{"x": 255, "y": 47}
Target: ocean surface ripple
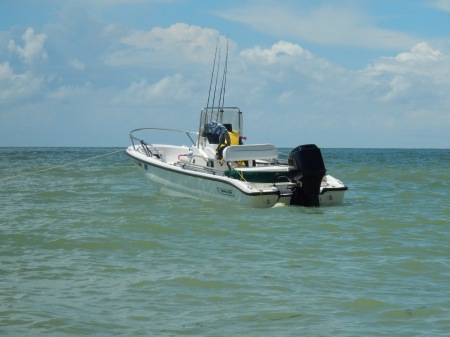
{"x": 90, "y": 249}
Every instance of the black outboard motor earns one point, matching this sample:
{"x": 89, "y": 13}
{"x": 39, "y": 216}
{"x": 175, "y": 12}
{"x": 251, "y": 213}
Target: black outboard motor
{"x": 307, "y": 159}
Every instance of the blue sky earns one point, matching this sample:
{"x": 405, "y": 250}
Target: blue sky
{"x": 351, "y": 73}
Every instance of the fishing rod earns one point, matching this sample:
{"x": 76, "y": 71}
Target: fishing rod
{"x": 224, "y": 81}
{"x": 217, "y": 76}
{"x": 212, "y": 75}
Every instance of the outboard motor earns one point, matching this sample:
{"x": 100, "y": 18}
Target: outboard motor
{"x": 307, "y": 159}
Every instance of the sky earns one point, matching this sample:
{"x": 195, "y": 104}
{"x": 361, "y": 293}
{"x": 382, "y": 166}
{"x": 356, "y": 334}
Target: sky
{"x": 339, "y": 74}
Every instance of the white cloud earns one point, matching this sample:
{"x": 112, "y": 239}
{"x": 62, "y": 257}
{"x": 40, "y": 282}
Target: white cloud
{"x": 286, "y": 96}
{"x": 420, "y": 53}
{"x": 327, "y": 24}
{"x": 286, "y": 72}
{"x": 441, "y": 4}
{"x": 33, "y": 46}
{"x": 165, "y": 73}
{"x": 14, "y": 87}
{"x": 77, "y": 64}
{"x": 288, "y": 85}
{"x": 68, "y": 92}
{"x": 277, "y": 53}
{"x": 180, "y": 43}
{"x": 168, "y": 89}
{"x": 420, "y": 73}
{"x": 287, "y": 55}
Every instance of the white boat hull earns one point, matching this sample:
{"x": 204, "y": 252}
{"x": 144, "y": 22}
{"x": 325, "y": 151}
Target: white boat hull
{"x": 175, "y": 180}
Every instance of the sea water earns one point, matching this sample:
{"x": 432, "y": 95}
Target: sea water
{"x": 88, "y": 248}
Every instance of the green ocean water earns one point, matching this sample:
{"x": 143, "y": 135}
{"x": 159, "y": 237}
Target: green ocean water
{"x": 90, "y": 249}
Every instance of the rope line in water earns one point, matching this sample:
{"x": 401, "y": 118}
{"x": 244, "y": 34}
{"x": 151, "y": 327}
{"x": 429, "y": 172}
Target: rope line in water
{"x": 58, "y": 166}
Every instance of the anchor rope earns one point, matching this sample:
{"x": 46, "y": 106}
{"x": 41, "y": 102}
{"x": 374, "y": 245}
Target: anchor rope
{"x": 58, "y": 166}
{"x": 241, "y": 175}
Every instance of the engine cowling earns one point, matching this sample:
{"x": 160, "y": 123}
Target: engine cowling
{"x": 307, "y": 159}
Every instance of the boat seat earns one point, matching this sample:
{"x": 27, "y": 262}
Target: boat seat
{"x": 249, "y": 152}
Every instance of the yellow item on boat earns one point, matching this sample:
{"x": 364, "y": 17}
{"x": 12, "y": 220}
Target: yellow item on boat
{"x": 234, "y": 137}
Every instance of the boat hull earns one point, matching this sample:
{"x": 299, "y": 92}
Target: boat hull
{"x": 175, "y": 180}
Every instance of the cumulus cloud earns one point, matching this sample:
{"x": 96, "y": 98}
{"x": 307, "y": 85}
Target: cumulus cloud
{"x": 33, "y": 46}
{"x": 400, "y": 94}
{"x": 418, "y": 60}
{"x": 288, "y": 55}
{"x": 168, "y": 88}
{"x": 165, "y": 72}
{"x": 178, "y": 43}
{"x": 276, "y": 53}
{"x": 420, "y": 53}
{"x": 286, "y": 70}
{"x": 17, "y": 86}
{"x": 423, "y": 72}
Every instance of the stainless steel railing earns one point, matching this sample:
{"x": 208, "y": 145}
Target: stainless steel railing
{"x": 148, "y": 148}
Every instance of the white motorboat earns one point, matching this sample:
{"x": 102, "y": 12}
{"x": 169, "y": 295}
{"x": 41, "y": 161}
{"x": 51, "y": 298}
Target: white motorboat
{"x": 218, "y": 166}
